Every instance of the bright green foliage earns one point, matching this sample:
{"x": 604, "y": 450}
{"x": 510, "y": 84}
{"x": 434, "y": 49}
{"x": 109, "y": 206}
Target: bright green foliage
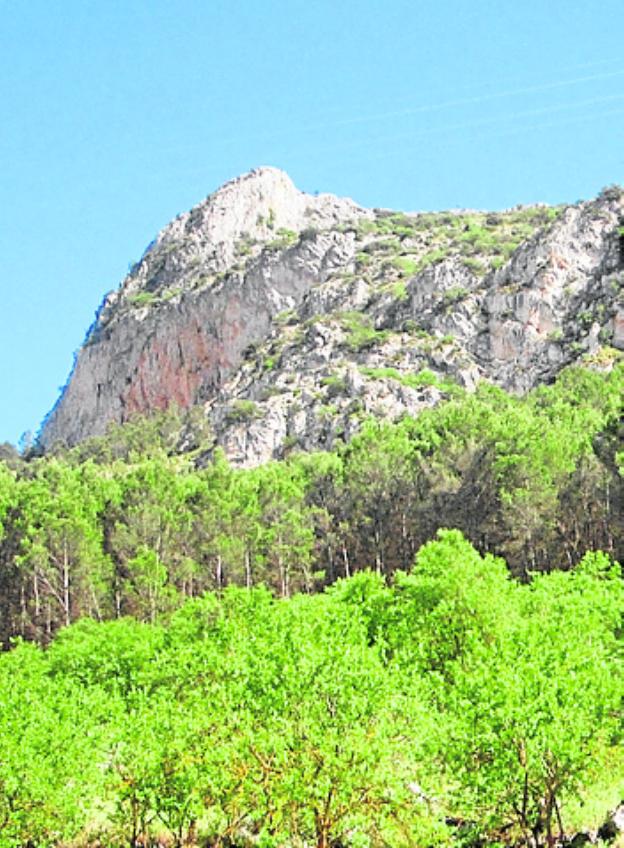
{"x": 452, "y": 604}
{"x": 288, "y": 535}
{"x": 410, "y": 243}
{"x": 150, "y": 533}
{"x": 367, "y": 715}
{"x": 530, "y": 712}
{"x": 405, "y": 265}
{"x": 61, "y": 539}
{"x": 332, "y": 751}
{"x": 113, "y": 655}
{"x": 423, "y": 378}
{"x": 241, "y": 411}
{"x": 50, "y": 751}
{"x": 361, "y": 333}
{"x": 285, "y": 238}
{"x": 142, "y": 299}
{"x": 123, "y": 526}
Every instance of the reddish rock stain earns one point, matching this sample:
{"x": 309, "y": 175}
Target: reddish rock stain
{"x": 173, "y": 370}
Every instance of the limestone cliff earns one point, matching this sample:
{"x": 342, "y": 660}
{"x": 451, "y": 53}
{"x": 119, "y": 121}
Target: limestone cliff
{"x": 204, "y": 290}
{"x": 291, "y": 317}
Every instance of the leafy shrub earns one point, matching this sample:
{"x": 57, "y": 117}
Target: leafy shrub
{"x": 142, "y": 299}
{"x": 336, "y": 385}
{"x": 455, "y": 294}
{"x": 406, "y": 265}
{"x": 361, "y": 335}
{"x": 242, "y": 411}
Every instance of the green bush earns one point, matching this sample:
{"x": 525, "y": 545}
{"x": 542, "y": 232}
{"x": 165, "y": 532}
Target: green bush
{"x": 142, "y": 299}
{"x": 241, "y": 411}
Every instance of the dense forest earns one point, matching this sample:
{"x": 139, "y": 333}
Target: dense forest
{"x": 453, "y": 706}
{"x": 299, "y": 654}
{"x": 128, "y": 524}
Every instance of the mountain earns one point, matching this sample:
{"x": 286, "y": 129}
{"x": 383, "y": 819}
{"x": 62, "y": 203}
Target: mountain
{"x": 289, "y": 318}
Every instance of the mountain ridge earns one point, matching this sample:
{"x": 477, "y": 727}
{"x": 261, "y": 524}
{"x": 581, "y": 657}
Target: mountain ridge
{"x": 291, "y": 317}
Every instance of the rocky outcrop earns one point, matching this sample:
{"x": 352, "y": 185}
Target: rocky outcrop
{"x": 205, "y": 290}
{"x": 374, "y": 343}
{"x": 292, "y": 317}
{"x": 557, "y": 293}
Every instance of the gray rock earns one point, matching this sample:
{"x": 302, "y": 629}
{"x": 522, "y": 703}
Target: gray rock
{"x": 613, "y": 826}
{"x": 312, "y": 310}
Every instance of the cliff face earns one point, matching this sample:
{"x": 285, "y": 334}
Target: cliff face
{"x": 206, "y": 288}
{"x": 291, "y": 317}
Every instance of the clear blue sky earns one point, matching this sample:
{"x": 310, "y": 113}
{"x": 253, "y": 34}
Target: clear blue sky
{"x": 118, "y": 114}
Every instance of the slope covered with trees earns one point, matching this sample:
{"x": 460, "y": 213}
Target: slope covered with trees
{"x": 126, "y": 524}
{"x": 298, "y": 654}
{"x": 454, "y": 705}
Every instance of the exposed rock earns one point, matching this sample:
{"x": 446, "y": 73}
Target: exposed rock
{"x": 613, "y": 826}
{"x": 537, "y": 299}
{"x": 182, "y": 318}
{"x": 618, "y": 328}
{"x": 584, "y": 837}
{"x": 294, "y": 317}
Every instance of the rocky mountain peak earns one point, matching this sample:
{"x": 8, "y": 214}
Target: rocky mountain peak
{"x": 290, "y": 317}
{"x": 245, "y": 213}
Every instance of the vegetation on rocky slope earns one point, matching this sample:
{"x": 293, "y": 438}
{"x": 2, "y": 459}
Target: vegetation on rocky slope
{"x": 206, "y": 647}
{"x": 292, "y": 318}
{"x": 126, "y": 524}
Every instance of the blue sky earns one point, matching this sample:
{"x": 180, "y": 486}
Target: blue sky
{"x": 117, "y": 115}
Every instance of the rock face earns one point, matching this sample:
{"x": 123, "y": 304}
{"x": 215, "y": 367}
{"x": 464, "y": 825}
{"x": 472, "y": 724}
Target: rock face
{"x": 204, "y": 290}
{"x": 291, "y": 317}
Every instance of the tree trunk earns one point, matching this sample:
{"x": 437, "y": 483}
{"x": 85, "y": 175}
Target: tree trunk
{"x": 36, "y": 594}
{"x": 345, "y": 559}
{"x": 219, "y": 573}
{"x": 247, "y": 569}
{"x": 66, "y": 598}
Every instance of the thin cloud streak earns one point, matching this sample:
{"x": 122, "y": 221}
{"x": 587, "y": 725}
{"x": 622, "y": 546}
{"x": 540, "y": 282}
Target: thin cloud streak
{"x": 468, "y": 101}
{"x": 323, "y": 125}
{"x": 483, "y": 122}
{"x": 510, "y": 131}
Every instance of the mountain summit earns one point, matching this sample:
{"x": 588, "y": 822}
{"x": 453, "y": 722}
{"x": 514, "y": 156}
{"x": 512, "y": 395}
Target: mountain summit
{"x": 289, "y": 317}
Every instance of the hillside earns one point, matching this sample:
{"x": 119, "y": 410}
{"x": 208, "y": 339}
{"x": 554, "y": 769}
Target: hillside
{"x": 319, "y": 545}
{"x": 290, "y": 318}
